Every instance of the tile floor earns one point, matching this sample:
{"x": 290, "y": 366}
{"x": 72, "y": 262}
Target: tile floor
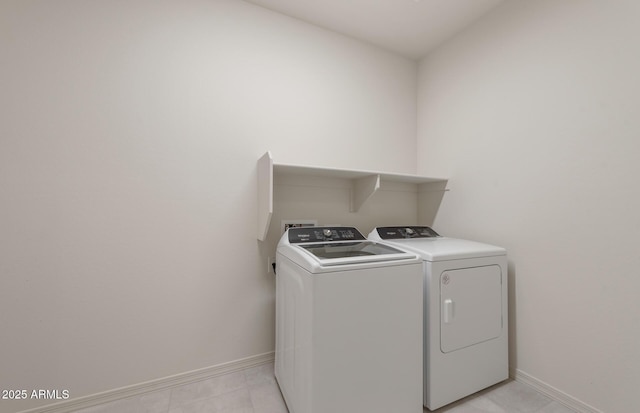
{"x": 255, "y": 390}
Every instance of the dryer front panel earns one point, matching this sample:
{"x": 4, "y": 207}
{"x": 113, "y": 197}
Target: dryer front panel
{"x": 470, "y": 306}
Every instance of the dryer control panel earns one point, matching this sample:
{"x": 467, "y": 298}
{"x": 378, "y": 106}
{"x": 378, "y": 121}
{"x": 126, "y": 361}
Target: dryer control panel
{"x": 406, "y": 232}
{"x": 323, "y": 234}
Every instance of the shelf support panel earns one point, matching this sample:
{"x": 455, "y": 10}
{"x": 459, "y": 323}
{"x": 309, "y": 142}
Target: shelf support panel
{"x": 265, "y": 194}
{"x": 362, "y": 189}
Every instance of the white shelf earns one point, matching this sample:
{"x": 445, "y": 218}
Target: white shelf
{"x": 349, "y": 173}
{"x": 363, "y": 185}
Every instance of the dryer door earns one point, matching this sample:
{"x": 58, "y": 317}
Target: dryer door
{"x": 470, "y": 306}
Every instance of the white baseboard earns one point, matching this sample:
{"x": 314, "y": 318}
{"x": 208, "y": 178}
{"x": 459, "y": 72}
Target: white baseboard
{"x": 553, "y": 393}
{"x": 71, "y": 405}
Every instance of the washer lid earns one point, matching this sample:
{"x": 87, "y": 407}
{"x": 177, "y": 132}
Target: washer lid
{"x": 342, "y": 253}
{"x": 330, "y": 249}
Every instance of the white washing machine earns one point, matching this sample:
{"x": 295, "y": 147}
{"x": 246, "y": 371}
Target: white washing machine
{"x": 348, "y": 323}
{"x": 465, "y": 305}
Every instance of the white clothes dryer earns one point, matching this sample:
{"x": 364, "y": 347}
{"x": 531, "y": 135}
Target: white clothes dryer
{"x": 465, "y": 312}
{"x": 348, "y": 323}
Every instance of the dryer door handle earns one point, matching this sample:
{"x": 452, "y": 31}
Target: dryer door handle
{"x": 447, "y": 316}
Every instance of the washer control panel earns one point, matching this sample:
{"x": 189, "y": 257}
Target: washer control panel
{"x": 323, "y": 234}
{"x": 406, "y": 232}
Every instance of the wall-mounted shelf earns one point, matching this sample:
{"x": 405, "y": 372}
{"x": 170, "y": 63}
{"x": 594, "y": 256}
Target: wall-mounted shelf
{"x": 363, "y": 185}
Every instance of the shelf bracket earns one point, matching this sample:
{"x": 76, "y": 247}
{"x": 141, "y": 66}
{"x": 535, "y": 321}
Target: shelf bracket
{"x": 265, "y": 194}
{"x": 429, "y": 199}
{"x": 361, "y": 190}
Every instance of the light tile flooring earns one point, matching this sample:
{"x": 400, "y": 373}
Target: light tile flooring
{"x": 255, "y": 390}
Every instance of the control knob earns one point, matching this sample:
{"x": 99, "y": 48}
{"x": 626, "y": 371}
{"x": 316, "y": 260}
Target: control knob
{"x": 326, "y": 232}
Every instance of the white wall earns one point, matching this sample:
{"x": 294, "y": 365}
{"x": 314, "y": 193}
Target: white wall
{"x": 129, "y": 135}
{"x": 533, "y": 115}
